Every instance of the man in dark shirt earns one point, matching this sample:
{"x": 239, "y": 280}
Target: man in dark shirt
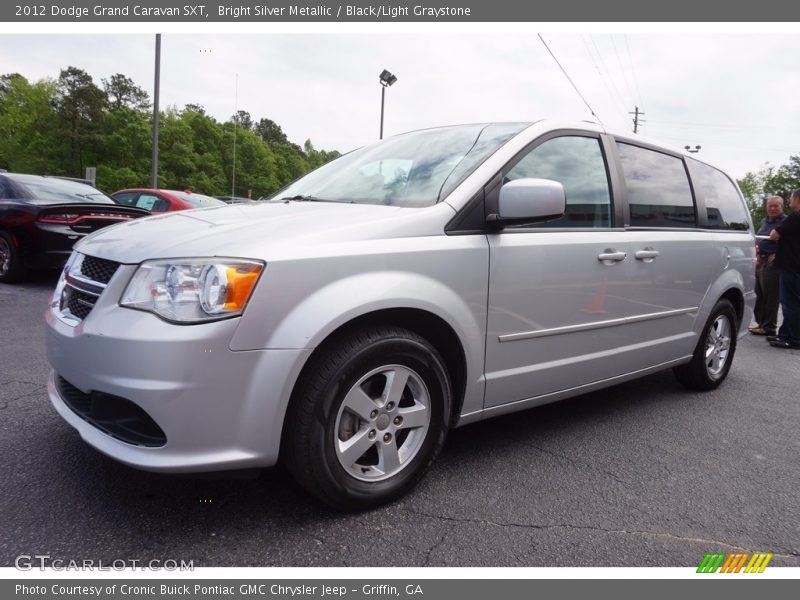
{"x": 788, "y": 236}
{"x": 767, "y": 273}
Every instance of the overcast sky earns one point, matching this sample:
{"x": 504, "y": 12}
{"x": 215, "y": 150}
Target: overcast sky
{"x": 732, "y": 94}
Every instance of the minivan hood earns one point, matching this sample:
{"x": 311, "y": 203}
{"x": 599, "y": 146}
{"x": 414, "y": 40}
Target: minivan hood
{"x": 254, "y": 230}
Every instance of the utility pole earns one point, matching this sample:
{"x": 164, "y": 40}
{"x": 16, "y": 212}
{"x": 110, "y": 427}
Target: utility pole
{"x": 636, "y": 120}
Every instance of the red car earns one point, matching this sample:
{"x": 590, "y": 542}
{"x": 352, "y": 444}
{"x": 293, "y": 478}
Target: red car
{"x": 160, "y": 201}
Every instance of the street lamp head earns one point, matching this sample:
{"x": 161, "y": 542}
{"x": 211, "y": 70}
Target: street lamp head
{"x": 386, "y": 78}
{"x": 692, "y": 150}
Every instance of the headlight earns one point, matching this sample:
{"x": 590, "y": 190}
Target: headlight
{"x": 74, "y": 262}
{"x": 193, "y": 290}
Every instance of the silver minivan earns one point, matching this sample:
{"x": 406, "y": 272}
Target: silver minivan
{"x": 426, "y": 282}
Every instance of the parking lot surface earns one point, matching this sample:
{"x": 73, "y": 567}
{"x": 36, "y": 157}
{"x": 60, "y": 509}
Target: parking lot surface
{"x": 641, "y": 474}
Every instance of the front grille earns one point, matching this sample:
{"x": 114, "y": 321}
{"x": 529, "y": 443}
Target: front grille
{"x": 85, "y": 282}
{"x": 79, "y": 303}
{"x": 98, "y": 269}
{"x": 115, "y": 416}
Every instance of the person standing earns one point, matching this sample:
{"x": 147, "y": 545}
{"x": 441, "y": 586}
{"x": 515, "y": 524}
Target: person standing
{"x": 788, "y": 259}
{"x": 767, "y": 272}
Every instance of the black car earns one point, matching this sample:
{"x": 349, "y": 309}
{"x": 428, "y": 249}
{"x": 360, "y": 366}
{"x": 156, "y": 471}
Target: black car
{"x": 42, "y": 217}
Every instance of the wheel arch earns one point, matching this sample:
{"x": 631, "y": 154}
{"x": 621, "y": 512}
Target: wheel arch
{"x": 732, "y": 285}
{"x": 425, "y": 324}
{"x": 735, "y": 297}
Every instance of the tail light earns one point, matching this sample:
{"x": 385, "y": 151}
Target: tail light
{"x": 59, "y": 218}
{"x": 70, "y": 218}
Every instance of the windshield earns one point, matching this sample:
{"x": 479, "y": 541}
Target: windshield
{"x": 49, "y": 190}
{"x": 414, "y": 169}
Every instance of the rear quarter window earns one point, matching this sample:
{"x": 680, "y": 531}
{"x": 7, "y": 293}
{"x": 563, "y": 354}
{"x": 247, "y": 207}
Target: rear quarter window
{"x": 724, "y": 206}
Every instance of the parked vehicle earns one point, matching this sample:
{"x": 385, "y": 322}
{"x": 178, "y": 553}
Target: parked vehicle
{"x": 159, "y": 201}
{"x": 423, "y": 283}
{"x": 42, "y": 217}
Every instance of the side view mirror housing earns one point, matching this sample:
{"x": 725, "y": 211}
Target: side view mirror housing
{"x": 529, "y": 201}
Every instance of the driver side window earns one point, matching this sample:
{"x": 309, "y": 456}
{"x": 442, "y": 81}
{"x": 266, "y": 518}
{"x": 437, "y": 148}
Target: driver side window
{"x": 577, "y": 163}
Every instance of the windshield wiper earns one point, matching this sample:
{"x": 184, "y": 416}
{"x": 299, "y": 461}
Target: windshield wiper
{"x": 304, "y": 198}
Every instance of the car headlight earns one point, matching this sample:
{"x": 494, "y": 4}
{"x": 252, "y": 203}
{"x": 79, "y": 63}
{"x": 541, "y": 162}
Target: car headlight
{"x": 193, "y": 290}
{"x": 74, "y": 259}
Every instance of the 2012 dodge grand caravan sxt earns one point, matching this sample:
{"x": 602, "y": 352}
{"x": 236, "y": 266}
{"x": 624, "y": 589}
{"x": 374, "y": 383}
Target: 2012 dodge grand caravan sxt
{"x": 425, "y": 282}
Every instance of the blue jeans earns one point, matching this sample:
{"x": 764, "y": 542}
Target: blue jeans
{"x": 790, "y": 305}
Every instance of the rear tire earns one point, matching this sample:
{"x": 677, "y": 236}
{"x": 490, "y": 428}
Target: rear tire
{"x": 368, "y": 418}
{"x": 11, "y": 267}
{"x": 714, "y": 352}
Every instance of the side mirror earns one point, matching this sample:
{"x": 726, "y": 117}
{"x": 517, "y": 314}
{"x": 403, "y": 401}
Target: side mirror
{"x": 529, "y": 201}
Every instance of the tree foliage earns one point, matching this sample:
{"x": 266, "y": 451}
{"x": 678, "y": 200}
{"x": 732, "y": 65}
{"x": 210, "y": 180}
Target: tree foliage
{"x": 123, "y": 93}
{"x": 770, "y": 181}
{"x": 59, "y": 127}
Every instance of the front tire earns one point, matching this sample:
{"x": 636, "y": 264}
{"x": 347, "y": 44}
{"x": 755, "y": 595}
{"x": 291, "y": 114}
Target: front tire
{"x": 368, "y": 418}
{"x": 714, "y": 352}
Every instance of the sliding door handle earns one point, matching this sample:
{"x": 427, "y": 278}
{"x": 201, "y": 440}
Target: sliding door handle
{"x": 611, "y": 256}
{"x": 646, "y": 255}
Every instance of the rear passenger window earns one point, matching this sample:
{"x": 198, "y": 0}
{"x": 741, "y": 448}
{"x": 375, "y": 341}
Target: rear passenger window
{"x": 658, "y": 188}
{"x": 151, "y": 203}
{"x": 577, "y": 163}
{"x": 125, "y": 198}
{"x": 724, "y": 207}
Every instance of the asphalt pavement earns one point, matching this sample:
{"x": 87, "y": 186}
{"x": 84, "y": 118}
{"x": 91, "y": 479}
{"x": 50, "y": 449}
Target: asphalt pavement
{"x": 641, "y": 474}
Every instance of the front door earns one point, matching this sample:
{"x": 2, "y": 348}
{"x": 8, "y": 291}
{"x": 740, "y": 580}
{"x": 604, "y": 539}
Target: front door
{"x": 557, "y": 290}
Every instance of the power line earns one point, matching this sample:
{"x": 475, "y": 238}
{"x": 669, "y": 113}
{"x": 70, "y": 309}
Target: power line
{"x": 736, "y": 127}
{"x": 600, "y": 74}
{"x": 633, "y": 71}
{"x": 569, "y": 79}
{"x": 622, "y": 69}
{"x": 620, "y": 99}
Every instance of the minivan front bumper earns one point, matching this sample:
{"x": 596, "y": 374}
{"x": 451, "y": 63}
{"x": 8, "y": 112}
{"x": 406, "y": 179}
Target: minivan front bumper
{"x": 217, "y": 409}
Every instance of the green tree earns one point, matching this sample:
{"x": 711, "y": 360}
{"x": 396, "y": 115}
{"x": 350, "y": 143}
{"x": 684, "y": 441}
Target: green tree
{"x": 793, "y": 171}
{"x": 124, "y": 151}
{"x": 6, "y": 82}
{"x": 316, "y": 158}
{"x": 769, "y": 181}
{"x": 122, "y": 92}
{"x": 271, "y": 133}
{"x": 80, "y": 105}
{"x": 256, "y": 172}
{"x": 243, "y": 119}
{"x": 60, "y": 127}
{"x": 195, "y": 108}
{"x": 28, "y": 142}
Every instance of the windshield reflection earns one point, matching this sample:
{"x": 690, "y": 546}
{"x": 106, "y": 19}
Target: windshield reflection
{"x": 414, "y": 169}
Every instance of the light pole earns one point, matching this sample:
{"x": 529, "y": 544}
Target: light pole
{"x": 156, "y": 85}
{"x": 386, "y": 79}
{"x": 694, "y": 150}
{"x": 235, "y": 120}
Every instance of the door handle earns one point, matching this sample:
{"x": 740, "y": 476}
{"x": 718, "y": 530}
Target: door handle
{"x": 647, "y": 255}
{"x": 610, "y": 256}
